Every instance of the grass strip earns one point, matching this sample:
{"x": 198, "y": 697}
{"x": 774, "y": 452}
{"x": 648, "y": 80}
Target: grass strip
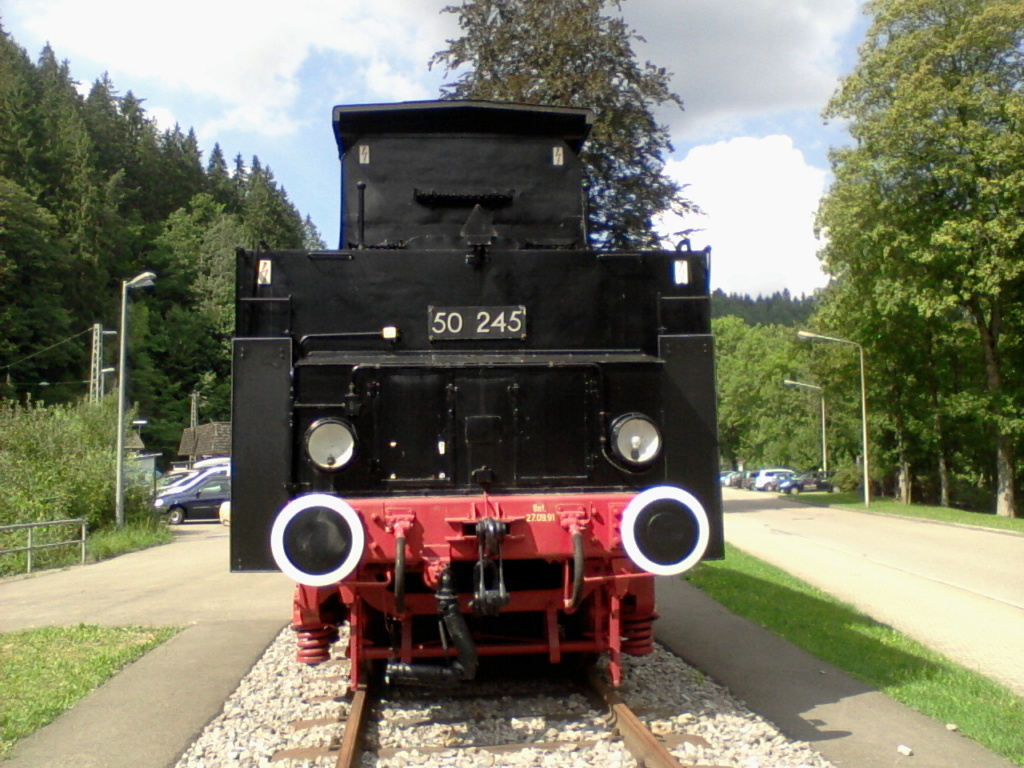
{"x": 111, "y": 542}
{"x": 870, "y": 651}
{"x": 921, "y": 511}
{"x": 46, "y": 671}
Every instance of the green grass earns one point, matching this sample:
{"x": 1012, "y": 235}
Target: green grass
{"x": 111, "y": 542}
{"x": 854, "y": 500}
{"x": 45, "y": 671}
{"x": 869, "y": 651}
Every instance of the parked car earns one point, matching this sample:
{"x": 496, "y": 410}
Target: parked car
{"x": 173, "y": 477}
{"x": 190, "y": 477}
{"x": 766, "y": 478}
{"x": 729, "y": 479}
{"x": 775, "y": 481}
{"x": 807, "y": 481}
{"x": 197, "y": 498}
{"x": 747, "y": 479}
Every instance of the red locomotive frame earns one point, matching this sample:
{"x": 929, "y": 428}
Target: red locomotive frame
{"x": 435, "y": 532}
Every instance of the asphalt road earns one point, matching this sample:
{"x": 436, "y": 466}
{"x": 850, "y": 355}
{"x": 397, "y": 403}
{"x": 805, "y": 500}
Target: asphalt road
{"x": 956, "y": 589}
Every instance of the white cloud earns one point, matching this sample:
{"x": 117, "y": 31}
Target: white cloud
{"x": 246, "y": 61}
{"x": 735, "y": 59}
{"x": 759, "y": 197}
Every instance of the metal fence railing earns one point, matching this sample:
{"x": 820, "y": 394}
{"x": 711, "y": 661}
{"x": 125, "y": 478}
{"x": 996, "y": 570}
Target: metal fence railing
{"x": 33, "y": 547}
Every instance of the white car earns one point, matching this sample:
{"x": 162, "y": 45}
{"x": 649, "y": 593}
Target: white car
{"x": 766, "y": 477}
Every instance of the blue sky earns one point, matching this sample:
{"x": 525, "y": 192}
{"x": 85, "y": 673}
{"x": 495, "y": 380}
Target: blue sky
{"x": 261, "y": 78}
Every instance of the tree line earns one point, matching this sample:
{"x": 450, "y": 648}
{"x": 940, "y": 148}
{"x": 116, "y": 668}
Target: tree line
{"x": 92, "y": 192}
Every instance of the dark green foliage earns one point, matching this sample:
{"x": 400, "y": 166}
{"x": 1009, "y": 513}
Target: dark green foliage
{"x": 34, "y": 269}
{"x": 781, "y": 308}
{"x": 93, "y": 192}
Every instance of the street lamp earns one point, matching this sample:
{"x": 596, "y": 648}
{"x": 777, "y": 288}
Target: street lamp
{"x": 808, "y": 336}
{"x": 142, "y": 280}
{"x": 820, "y": 391}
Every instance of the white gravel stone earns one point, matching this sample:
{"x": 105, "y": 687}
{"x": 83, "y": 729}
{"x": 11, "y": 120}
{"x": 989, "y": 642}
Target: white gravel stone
{"x": 671, "y": 697}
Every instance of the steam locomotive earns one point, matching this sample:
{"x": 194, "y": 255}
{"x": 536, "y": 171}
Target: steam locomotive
{"x": 464, "y": 431}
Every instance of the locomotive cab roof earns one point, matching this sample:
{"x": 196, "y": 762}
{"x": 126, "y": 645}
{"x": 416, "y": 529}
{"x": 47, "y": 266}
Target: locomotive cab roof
{"x": 453, "y": 117}
{"x": 434, "y": 175}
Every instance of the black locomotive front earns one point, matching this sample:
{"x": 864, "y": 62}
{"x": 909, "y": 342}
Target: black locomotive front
{"x": 464, "y": 409}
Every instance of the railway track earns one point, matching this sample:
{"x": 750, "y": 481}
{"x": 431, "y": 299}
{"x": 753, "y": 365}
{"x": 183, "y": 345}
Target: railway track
{"x": 288, "y": 715}
{"x": 497, "y": 718}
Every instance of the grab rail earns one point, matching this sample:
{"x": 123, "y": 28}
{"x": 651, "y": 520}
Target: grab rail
{"x": 33, "y": 547}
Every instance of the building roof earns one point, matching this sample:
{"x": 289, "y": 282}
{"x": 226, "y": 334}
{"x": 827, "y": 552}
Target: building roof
{"x": 213, "y": 439}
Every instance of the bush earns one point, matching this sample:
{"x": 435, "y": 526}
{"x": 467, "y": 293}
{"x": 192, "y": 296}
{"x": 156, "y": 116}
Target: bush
{"x": 58, "y": 461}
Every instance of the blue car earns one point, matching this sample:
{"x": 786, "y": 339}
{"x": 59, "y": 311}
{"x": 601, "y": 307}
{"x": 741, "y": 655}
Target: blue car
{"x": 808, "y": 481}
{"x": 197, "y": 498}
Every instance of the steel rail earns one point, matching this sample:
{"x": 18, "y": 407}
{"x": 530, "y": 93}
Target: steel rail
{"x": 355, "y": 725}
{"x": 647, "y": 748}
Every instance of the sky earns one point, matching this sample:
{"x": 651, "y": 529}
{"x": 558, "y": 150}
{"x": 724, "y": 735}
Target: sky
{"x": 260, "y": 78}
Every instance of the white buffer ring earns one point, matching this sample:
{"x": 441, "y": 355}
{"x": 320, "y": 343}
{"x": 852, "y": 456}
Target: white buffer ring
{"x": 664, "y": 493}
{"x": 300, "y": 504}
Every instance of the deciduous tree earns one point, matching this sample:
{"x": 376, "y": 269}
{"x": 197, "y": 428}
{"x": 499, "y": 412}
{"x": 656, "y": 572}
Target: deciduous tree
{"x": 571, "y": 53}
{"x": 927, "y": 205}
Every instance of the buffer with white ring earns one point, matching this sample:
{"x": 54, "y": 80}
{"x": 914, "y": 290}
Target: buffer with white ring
{"x": 317, "y": 539}
{"x": 665, "y": 530}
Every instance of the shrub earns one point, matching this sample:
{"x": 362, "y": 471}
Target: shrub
{"x": 58, "y": 461}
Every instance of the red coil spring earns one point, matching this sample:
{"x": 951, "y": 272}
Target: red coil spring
{"x": 638, "y": 635}
{"x": 314, "y": 643}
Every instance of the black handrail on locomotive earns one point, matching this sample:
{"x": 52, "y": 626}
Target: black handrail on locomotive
{"x": 389, "y": 333}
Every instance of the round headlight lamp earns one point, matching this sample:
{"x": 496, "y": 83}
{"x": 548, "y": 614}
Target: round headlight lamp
{"x": 330, "y": 444}
{"x": 635, "y": 439}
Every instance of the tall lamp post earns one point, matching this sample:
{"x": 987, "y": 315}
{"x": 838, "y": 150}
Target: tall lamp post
{"x": 820, "y": 391}
{"x": 142, "y": 280}
{"x": 808, "y": 336}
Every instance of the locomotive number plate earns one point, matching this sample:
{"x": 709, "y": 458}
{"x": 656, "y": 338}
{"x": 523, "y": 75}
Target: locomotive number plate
{"x": 476, "y": 322}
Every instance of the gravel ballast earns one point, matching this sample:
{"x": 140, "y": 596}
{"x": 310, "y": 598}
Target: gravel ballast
{"x": 671, "y": 697}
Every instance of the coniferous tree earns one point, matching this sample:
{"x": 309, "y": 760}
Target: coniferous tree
{"x": 91, "y": 193}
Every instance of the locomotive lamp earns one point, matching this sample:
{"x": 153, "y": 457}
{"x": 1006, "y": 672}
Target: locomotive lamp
{"x": 141, "y": 280}
{"x": 635, "y": 439}
{"x": 808, "y": 336}
{"x": 330, "y": 444}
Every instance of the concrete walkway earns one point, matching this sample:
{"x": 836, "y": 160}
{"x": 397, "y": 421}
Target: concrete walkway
{"x": 956, "y": 589}
{"x": 146, "y": 716}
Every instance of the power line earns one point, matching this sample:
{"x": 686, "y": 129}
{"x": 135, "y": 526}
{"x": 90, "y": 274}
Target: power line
{"x": 47, "y": 349}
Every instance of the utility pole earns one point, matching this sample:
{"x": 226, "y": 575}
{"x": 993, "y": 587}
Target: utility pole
{"x": 194, "y": 423}
{"x": 96, "y": 369}
{"x": 96, "y": 365}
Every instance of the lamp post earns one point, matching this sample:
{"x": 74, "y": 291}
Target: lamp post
{"x": 820, "y": 391}
{"x": 142, "y": 280}
{"x": 808, "y": 336}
